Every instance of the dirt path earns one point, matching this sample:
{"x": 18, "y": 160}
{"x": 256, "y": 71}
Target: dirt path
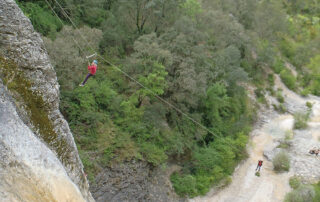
{"x": 270, "y": 186}
{"x": 245, "y": 185}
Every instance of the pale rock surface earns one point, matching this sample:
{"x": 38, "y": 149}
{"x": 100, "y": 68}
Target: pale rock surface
{"x": 25, "y": 157}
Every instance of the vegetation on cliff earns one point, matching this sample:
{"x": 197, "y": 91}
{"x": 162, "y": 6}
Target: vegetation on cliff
{"x": 194, "y": 55}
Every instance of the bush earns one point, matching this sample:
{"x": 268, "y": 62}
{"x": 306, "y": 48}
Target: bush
{"x": 271, "y": 91}
{"x": 305, "y": 92}
{"x": 153, "y": 154}
{"x": 271, "y": 79}
{"x": 184, "y": 185}
{"x": 300, "y": 120}
{"x": 302, "y": 194}
{"x": 42, "y": 20}
{"x": 288, "y": 135}
{"x": 280, "y": 108}
{"x": 284, "y": 145}
{"x": 288, "y": 79}
{"x": 317, "y": 192}
{"x": 309, "y": 105}
{"x": 259, "y": 92}
{"x": 281, "y": 162}
{"x": 278, "y": 66}
{"x": 287, "y": 47}
{"x": 280, "y": 98}
{"x": 294, "y": 182}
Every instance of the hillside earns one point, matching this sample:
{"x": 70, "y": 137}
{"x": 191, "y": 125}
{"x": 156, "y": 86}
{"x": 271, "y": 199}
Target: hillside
{"x": 179, "y": 86}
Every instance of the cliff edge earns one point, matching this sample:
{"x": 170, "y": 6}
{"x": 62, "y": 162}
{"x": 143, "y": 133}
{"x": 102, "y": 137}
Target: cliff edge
{"x": 39, "y": 160}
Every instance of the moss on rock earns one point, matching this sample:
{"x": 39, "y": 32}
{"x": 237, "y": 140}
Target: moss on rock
{"x": 33, "y": 104}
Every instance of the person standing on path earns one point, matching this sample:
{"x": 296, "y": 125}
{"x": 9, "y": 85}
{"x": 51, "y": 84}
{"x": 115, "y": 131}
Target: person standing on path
{"x": 259, "y": 165}
{"x": 92, "y": 71}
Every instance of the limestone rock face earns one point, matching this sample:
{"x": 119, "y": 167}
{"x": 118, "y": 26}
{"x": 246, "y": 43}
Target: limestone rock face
{"x": 134, "y": 181}
{"x": 38, "y": 155}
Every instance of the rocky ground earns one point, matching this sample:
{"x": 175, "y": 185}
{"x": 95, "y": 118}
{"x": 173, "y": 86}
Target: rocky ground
{"x": 134, "y": 181}
{"x": 265, "y": 139}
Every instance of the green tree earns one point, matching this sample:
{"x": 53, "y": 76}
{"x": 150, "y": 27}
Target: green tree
{"x": 68, "y": 59}
{"x": 270, "y": 19}
{"x": 191, "y": 8}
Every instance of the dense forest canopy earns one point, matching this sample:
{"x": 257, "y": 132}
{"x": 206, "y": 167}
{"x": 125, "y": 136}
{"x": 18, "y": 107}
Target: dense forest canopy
{"x": 197, "y": 55}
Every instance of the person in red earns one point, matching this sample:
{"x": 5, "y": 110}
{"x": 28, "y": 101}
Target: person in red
{"x": 259, "y": 165}
{"x": 92, "y": 71}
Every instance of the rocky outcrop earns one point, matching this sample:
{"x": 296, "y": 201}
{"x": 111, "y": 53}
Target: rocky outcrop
{"x": 36, "y": 145}
{"x": 302, "y": 164}
{"x": 134, "y": 181}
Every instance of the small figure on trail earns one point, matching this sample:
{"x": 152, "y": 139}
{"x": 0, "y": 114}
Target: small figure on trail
{"x": 259, "y": 165}
{"x": 92, "y": 71}
{"x": 314, "y": 151}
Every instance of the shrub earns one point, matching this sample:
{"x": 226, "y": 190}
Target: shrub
{"x": 305, "y": 92}
{"x": 288, "y": 79}
{"x": 278, "y": 66}
{"x": 42, "y": 20}
{"x": 294, "y": 182}
{"x": 281, "y": 162}
{"x": 309, "y": 105}
{"x": 317, "y": 192}
{"x": 287, "y": 47}
{"x": 280, "y": 98}
{"x": 271, "y": 79}
{"x": 284, "y": 145}
{"x": 302, "y": 194}
{"x": 259, "y": 92}
{"x": 184, "y": 185}
{"x": 153, "y": 154}
{"x": 280, "y": 108}
{"x": 272, "y": 92}
{"x": 300, "y": 120}
{"x": 288, "y": 135}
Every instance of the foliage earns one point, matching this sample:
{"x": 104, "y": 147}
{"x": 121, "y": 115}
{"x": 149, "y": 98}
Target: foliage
{"x": 314, "y": 83}
{"x": 304, "y": 193}
{"x": 288, "y": 135}
{"x": 281, "y": 162}
{"x": 309, "y": 105}
{"x": 317, "y": 192}
{"x": 210, "y": 166}
{"x": 268, "y": 27}
{"x": 280, "y": 97}
{"x": 184, "y": 185}
{"x": 294, "y": 182}
{"x": 300, "y": 120}
{"x": 191, "y": 8}
{"x": 288, "y": 79}
{"x": 66, "y": 55}
{"x": 42, "y": 20}
{"x": 196, "y": 55}
{"x": 284, "y": 145}
{"x": 271, "y": 79}
{"x": 278, "y": 66}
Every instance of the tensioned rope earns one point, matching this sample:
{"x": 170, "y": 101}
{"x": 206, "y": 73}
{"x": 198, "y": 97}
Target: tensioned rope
{"x": 140, "y": 84}
{"x": 74, "y": 40}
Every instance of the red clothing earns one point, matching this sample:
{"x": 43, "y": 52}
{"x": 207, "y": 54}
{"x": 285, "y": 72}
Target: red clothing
{"x": 92, "y": 69}
{"x": 260, "y": 163}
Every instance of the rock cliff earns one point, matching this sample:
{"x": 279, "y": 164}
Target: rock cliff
{"x": 39, "y": 160}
